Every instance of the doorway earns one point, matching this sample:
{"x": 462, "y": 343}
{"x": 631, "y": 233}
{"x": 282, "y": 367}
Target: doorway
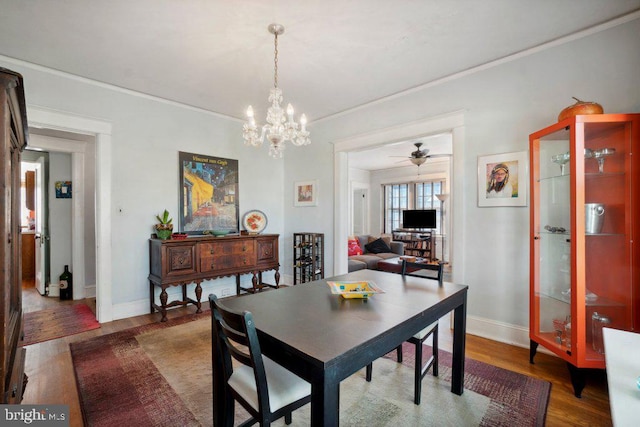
{"x": 64, "y": 217}
{"x": 452, "y": 123}
{"x": 100, "y": 131}
{"x": 34, "y": 221}
{"x": 360, "y": 215}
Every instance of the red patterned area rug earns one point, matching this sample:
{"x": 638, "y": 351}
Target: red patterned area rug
{"x": 516, "y": 399}
{"x": 160, "y": 375}
{"x": 52, "y": 323}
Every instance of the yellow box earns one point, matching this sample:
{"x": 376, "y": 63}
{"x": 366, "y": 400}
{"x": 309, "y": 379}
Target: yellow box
{"x": 356, "y": 289}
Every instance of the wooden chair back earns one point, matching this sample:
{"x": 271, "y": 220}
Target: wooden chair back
{"x": 427, "y": 271}
{"x": 237, "y": 338}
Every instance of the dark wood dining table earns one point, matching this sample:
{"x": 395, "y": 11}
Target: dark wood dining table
{"x": 325, "y": 338}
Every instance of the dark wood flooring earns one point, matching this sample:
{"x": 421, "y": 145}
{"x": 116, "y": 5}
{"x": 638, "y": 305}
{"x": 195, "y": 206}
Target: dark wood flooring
{"x": 52, "y": 381}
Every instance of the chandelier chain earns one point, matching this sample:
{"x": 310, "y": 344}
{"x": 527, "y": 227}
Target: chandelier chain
{"x": 275, "y": 62}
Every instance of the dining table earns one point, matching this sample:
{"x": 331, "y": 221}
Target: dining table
{"x": 325, "y": 338}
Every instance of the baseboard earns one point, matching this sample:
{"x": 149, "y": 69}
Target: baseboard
{"x": 502, "y": 332}
{"x": 220, "y": 287}
{"x": 90, "y": 291}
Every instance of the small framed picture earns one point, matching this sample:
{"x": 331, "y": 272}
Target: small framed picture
{"x": 503, "y": 179}
{"x": 305, "y": 193}
{"x": 63, "y": 189}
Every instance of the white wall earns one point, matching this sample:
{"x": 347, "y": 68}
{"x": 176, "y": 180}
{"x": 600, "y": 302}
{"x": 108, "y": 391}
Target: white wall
{"x": 147, "y": 134}
{"x": 502, "y": 105}
{"x": 59, "y": 216}
{"x": 90, "y": 214}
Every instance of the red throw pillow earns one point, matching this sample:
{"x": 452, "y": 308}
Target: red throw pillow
{"x": 354, "y": 247}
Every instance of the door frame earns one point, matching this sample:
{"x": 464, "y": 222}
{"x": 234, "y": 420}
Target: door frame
{"x": 451, "y": 122}
{"x": 101, "y": 131}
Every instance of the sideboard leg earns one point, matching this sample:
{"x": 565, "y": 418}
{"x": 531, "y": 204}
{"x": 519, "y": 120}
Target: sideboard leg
{"x": 198, "y": 297}
{"x": 164, "y": 297}
{"x": 277, "y": 278}
{"x": 254, "y": 282}
{"x": 151, "y": 297}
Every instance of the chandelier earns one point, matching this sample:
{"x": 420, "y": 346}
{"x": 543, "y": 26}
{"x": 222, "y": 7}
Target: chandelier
{"x": 279, "y": 128}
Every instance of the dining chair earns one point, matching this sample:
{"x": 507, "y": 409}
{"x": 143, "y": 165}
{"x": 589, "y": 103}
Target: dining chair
{"x": 264, "y": 388}
{"x": 427, "y": 271}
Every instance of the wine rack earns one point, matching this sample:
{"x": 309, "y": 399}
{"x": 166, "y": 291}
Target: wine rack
{"x": 308, "y": 257}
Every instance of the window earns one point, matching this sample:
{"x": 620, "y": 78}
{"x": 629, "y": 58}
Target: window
{"x": 396, "y": 197}
{"x": 417, "y": 195}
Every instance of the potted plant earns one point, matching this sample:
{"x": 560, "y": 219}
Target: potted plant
{"x": 164, "y": 228}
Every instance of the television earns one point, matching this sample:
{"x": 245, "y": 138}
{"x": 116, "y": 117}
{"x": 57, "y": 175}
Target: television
{"x": 425, "y": 218}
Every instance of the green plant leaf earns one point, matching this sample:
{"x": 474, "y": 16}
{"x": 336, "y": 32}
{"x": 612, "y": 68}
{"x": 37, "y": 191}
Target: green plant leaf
{"x": 165, "y": 218}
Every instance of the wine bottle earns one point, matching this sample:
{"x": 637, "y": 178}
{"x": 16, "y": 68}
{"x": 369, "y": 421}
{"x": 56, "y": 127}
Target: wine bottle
{"x": 66, "y": 284}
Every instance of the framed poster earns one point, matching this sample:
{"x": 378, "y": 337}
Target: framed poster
{"x": 305, "y": 193}
{"x": 502, "y": 179}
{"x": 208, "y": 194}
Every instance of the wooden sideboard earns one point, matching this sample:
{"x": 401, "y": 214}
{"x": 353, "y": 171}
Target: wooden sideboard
{"x": 195, "y": 259}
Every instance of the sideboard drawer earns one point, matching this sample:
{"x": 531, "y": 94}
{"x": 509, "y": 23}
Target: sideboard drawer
{"x": 181, "y": 260}
{"x": 228, "y": 262}
{"x": 225, "y": 255}
{"x": 267, "y": 250}
{"x": 212, "y": 249}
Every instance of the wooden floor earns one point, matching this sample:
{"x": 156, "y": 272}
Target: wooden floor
{"x": 52, "y": 381}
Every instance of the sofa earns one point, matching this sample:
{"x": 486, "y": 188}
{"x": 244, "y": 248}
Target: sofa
{"x": 372, "y": 251}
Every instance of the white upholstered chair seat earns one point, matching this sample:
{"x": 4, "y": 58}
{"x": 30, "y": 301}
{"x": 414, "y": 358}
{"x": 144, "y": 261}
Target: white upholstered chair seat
{"x": 426, "y": 331}
{"x": 284, "y": 386}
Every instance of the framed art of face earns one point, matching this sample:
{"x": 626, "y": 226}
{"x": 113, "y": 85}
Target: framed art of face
{"x": 502, "y": 179}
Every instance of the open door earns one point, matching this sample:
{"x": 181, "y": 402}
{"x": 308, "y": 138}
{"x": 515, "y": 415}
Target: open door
{"x": 42, "y": 232}
{"x": 360, "y": 211}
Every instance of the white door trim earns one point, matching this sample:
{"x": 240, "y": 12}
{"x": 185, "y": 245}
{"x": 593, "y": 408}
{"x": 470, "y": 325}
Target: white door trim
{"x": 452, "y": 122}
{"x": 101, "y": 130}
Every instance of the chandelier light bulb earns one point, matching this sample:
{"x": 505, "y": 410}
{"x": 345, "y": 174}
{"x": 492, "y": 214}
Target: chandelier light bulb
{"x": 278, "y": 128}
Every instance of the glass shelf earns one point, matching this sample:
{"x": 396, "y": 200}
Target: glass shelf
{"x": 600, "y": 302}
{"x": 568, "y": 234}
{"x": 590, "y": 175}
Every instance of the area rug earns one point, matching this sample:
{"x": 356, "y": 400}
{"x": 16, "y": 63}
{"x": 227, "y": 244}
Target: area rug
{"x": 52, "y": 323}
{"x": 160, "y": 375}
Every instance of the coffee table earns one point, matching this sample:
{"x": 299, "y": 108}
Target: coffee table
{"x": 394, "y": 265}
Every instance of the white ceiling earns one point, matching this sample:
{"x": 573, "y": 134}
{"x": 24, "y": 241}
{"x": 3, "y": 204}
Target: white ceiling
{"x": 396, "y": 155}
{"x": 335, "y": 55}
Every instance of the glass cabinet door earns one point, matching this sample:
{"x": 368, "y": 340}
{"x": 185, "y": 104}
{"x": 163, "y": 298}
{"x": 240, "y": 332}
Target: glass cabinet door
{"x": 606, "y": 212}
{"x": 553, "y": 239}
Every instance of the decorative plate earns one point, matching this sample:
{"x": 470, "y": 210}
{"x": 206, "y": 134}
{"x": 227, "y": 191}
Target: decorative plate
{"x": 254, "y": 221}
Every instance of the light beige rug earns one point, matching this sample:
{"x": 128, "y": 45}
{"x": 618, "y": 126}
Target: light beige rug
{"x": 183, "y": 356}
{"x": 160, "y": 375}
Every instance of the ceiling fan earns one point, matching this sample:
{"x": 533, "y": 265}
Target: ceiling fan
{"x": 419, "y": 156}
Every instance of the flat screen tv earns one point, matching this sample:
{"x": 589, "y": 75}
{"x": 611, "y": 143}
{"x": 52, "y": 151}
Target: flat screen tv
{"x": 419, "y": 218}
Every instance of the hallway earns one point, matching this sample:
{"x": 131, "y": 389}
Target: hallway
{"x": 33, "y": 301}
